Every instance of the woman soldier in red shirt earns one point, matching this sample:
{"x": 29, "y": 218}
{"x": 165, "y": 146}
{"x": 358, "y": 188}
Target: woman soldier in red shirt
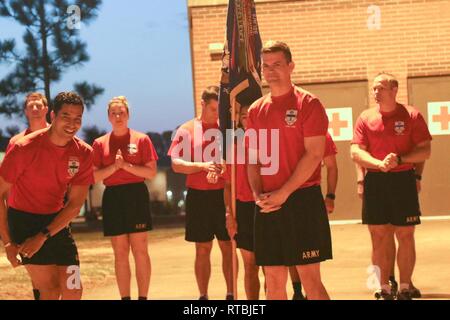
{"x": 123, "y": 159}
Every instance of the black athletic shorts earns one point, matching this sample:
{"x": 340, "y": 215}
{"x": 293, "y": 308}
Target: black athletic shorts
{"x": 391, "y": 198}
{"x": 297, "y": 234}
{"x": 245, "y": 217}
{"x": 59, "y": 250}
{"x": 205, "y": 216}
{"x": 126, "y": 209}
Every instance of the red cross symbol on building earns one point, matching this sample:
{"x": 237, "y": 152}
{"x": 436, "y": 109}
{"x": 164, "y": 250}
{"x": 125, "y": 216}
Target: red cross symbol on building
{"x": 443, "y": 118}
{"x": 336, "y": 124}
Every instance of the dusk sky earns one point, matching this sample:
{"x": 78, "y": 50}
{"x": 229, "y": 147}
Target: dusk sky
{"x": 139, "y": 49}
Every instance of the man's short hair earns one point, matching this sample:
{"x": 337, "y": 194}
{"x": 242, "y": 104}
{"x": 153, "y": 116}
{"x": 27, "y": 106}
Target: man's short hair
{"x": 390, "y": 78}
{"x": 35, "y": 96}
{"x": 67, "y": 98}
{"x": 278, "y": 46}
{"x": 210, "y": 93}
{"x": 121, "y": 100}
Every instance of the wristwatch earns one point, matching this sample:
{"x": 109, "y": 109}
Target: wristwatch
{"x": 418, "y": 177}
{"x": 46, "y": 233}
{"x": 331, "y": 196}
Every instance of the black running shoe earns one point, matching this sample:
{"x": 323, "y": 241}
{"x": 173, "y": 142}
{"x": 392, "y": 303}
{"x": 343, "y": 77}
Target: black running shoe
{"x": 36, "y": 294}
{"x": 298, "y": 296}
{"x": 229, "y": 297}
{"x": 414, "y": 292}
{"x": 203, "y": 298}
{"x": 383, "y": 295}
{"x": 394, "y": 287}
{"x": 404, "y": 295}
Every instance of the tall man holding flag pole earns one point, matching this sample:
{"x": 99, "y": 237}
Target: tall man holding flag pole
{"x": 241, "y": 77}
{"x": 291, "y": 222}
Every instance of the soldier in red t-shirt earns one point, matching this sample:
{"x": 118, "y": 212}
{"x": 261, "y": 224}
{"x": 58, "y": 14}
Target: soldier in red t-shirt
{"x": 418, "y": 171}
{"x": 35, "y": 108}
{"x": 291, "y": 221}
{"x": 388, "y": 140}
{"x": 195, "y": 151}
{"x": 242, "y": 227}
{"x": 123, "y": 159}
{"x": 38, "y": 171}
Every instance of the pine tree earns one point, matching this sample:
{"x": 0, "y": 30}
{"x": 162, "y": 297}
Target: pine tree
{"x": 91, "y": 133}
{"x": 12, "y": 130}
{"x": 51, "y": 46}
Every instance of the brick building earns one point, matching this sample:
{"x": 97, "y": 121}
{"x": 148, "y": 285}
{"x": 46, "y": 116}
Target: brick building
{"x": 338, "y": 47}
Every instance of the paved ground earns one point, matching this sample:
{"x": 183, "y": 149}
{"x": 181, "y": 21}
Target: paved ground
{"x": 173, "y": 278}
{"x": 345, "y": 277}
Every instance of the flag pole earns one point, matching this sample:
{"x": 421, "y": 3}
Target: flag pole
{"x": 241, "y": 75}
{"x": 233, "y": 197}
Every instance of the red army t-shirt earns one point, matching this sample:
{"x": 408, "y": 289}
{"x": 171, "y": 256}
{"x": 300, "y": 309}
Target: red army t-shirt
{"x": 136, "y": 148}
{"x": 297, "y": 115}
{"x": 330, "y": 146}
{"x": 330, "y": 150}
{"x": 192, "y": 134}
{"x": 40, "y": 172}
{"x": 396, "y": 132}
{"x": 17, "y": 137}
{"x": 243, "y": 189}
{"x": 244, "y": 192}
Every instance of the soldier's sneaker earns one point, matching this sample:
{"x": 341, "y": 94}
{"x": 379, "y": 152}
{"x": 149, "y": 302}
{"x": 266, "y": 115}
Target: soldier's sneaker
{"x": 298, "y": 296}
{"x": 383, "y": 295}
{"x": 414, "y": 292}
{"x": 394, "y": 287}
{"x": 404, "y": 295}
